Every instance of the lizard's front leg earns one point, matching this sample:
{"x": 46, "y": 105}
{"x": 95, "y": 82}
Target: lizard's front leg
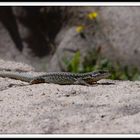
{"x": 80, "y": 81}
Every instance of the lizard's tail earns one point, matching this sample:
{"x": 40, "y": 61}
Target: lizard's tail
{"x": 23, "y": 76}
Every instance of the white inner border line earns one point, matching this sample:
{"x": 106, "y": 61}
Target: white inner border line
{"x": 70, "y": 136}
{"x": 69, "y": 3}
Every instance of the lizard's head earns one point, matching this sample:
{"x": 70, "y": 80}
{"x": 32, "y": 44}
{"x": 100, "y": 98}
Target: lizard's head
{"x": 98, "y": 75}
{"x": 101, "y": 73}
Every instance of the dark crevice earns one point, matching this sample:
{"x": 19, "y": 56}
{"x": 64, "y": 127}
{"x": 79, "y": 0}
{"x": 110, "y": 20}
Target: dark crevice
{"x": 43, "y": 26}
{"x": 9, "y": 21}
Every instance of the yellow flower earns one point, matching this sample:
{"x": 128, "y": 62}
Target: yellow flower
{"x": 80, "y": 28}
{"x": 92, "y": 15}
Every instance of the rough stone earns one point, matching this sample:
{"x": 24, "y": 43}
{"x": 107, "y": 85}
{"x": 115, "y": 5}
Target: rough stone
{"x": 108, "y": 107}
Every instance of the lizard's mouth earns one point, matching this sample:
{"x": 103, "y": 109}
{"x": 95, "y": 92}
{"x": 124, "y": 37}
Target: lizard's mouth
{"x": 105, "y": 75}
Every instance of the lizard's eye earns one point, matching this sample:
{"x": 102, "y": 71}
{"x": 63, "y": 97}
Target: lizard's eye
{"x": 94, "y": 74}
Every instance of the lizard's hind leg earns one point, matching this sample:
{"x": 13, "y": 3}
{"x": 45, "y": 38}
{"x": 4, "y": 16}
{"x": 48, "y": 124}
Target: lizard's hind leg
{"x": 37, "y": 81}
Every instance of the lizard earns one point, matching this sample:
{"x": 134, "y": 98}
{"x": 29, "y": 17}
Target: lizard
{"x": 62, "y": 78}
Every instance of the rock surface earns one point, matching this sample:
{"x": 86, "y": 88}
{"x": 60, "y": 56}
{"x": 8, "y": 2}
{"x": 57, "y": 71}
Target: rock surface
{"x": 108, "y": 107}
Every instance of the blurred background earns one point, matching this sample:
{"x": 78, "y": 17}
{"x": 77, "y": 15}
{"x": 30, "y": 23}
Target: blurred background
{"x": 73, "y": 38}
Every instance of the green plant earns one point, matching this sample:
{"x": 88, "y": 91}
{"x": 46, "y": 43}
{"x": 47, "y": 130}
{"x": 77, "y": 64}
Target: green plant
{"x": 74, "y": 64}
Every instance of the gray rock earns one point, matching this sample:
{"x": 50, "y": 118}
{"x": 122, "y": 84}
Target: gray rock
{"x": 120, "y": 25}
